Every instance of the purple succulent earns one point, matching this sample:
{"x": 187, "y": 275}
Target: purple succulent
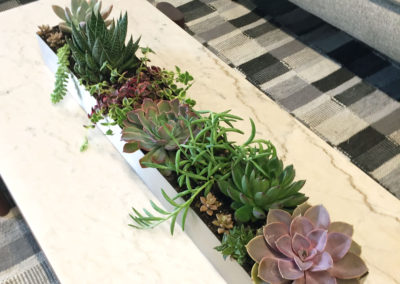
{"x": 306, "y": 248}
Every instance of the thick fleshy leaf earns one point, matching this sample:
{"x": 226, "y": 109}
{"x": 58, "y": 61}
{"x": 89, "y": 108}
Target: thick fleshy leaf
{"x": 159, "y": 156}
{"x": 322, "y": 262}
{"x": 300, "y": 244}
{"x": 338, "y": 245}
{"x": 301, "y": 225}
{"x": 273, "y": 231}
{"x": 341, "y": 227}
{"x": 350, "y": 266}
{"x": 318, "y": 239}
{"x": 257, "y": 249}
{"x": 131, "y": 147}
{"x": 284, "y": 245}
{"x": 278, "y": 215}
{"x": 355, "y": 248}
{"x": 254, "y": 275}
{"x": 300, "y": 209}
{"x": 319, "y": 277}
{"x": 319, "y": 216}
{"x": 269, "y": 272}
{"x": 289, "y": 269}
{"x": 300, "y": 281}
{"x": 303, "y": 265}
{"x": 347, "y": 281}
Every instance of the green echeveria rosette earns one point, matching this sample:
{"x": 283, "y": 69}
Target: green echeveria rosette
{"x": 158, "y": 128}
{"x": 258, "y": 185}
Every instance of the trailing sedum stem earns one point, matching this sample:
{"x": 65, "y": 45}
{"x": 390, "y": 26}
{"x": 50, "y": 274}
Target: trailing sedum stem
{"x": 62, "y": 74}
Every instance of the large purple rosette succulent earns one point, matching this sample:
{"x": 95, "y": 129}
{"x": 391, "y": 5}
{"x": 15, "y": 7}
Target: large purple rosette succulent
{"x": 306, "y": 248}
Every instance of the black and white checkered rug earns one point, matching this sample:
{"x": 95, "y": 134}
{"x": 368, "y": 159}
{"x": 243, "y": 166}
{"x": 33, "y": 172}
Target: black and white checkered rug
{"x": 340, "y": 88}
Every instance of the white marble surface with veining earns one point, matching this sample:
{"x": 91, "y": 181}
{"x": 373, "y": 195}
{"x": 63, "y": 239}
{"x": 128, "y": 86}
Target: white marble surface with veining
{"x": 77, "y": 204}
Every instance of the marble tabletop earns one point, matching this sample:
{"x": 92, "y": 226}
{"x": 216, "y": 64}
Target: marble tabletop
{"x": 77, "y": 204}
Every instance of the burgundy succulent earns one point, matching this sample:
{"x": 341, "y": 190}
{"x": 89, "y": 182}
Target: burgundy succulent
{"x": 306, "y": 248}
{"x": 146, "y": 84}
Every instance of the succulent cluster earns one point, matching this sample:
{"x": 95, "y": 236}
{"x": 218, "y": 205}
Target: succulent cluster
{"x": 261, "y": 183}
{"x": 224, "y": 223}
{"x": 305, "y": 248}
{"x": 98, "y": 51}
{"x": 54, "y": 38}
{"x": 234, "y": 243}
{"x": 44, "y": 31}
{"x": 158, "y": 127}
{"x": 209, "y": 204}
{"x": 80, "y": 13}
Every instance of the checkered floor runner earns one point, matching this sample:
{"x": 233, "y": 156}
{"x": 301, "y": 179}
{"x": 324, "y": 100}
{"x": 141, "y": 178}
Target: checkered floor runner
{"x": 340, "y": 88}
{"x": 21, "y": 260}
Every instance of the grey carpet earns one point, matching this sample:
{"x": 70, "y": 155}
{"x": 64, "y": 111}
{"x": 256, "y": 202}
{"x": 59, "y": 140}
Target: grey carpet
{"x": 21, "y": 260}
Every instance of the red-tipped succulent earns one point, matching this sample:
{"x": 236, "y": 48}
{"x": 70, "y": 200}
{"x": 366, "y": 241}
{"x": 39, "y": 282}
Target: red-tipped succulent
{"x": 305, "y": 248}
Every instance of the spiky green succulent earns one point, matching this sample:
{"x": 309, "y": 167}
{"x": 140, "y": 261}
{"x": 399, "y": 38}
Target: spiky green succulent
{"x": 158, "y": 127}
{"x": 258, "y": 184}
{"x": 234, "y": 243}
{"x": 80, "y": 12}
{"x": 99, "y": 51}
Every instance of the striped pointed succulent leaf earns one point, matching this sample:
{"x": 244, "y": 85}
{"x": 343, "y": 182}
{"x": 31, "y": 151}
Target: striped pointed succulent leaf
{"x": 158, "y": 127}
{"x": 97, "y": 50}
{"x": 259, "y": 184}
{"x": 79, "y": 13}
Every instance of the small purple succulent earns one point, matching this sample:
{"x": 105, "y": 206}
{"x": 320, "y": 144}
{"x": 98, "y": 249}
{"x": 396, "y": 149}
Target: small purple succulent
{"x": 306, "y": 248}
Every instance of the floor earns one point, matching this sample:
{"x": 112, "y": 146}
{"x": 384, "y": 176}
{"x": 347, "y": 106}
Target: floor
{"x": 341, "y": 89}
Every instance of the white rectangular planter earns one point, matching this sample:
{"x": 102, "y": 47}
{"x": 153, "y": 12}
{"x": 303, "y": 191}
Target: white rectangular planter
{"x": 205, "y": 240}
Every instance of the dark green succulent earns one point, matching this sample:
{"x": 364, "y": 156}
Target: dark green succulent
{"x": 99, "y": 51}
{"x": 158, "y": 127}
{"x": 260, "y": 183}
{"x": 234, "y": 243}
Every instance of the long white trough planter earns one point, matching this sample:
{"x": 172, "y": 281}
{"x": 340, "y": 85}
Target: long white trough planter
{"x": 205, "y": 240}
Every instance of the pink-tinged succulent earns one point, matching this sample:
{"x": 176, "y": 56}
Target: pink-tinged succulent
{"x": 306, "y": 248}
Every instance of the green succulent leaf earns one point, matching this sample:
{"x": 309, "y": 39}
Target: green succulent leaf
{"x": 244, "y": 213}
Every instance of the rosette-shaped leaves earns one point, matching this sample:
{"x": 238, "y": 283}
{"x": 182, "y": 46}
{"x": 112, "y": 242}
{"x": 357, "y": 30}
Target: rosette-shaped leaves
{"x": 80, "y": 12}
{"x": 158, "y": 127}
{"x": 306, "y": 248}
{"x": 260, "y": 184}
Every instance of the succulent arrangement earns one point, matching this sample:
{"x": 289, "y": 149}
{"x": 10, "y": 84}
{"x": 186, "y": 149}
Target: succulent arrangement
{"x": 298, "y": 244}
{"x": 305, "y": 248}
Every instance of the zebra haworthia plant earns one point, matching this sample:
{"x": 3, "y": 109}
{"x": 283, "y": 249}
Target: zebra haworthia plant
{"x": 80, "y": 12}
{"x": 99, "y": 51}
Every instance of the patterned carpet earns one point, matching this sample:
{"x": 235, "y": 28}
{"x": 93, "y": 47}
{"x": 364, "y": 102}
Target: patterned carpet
{"x": 21, "y": 260}
{"x": 340, "y": 88}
